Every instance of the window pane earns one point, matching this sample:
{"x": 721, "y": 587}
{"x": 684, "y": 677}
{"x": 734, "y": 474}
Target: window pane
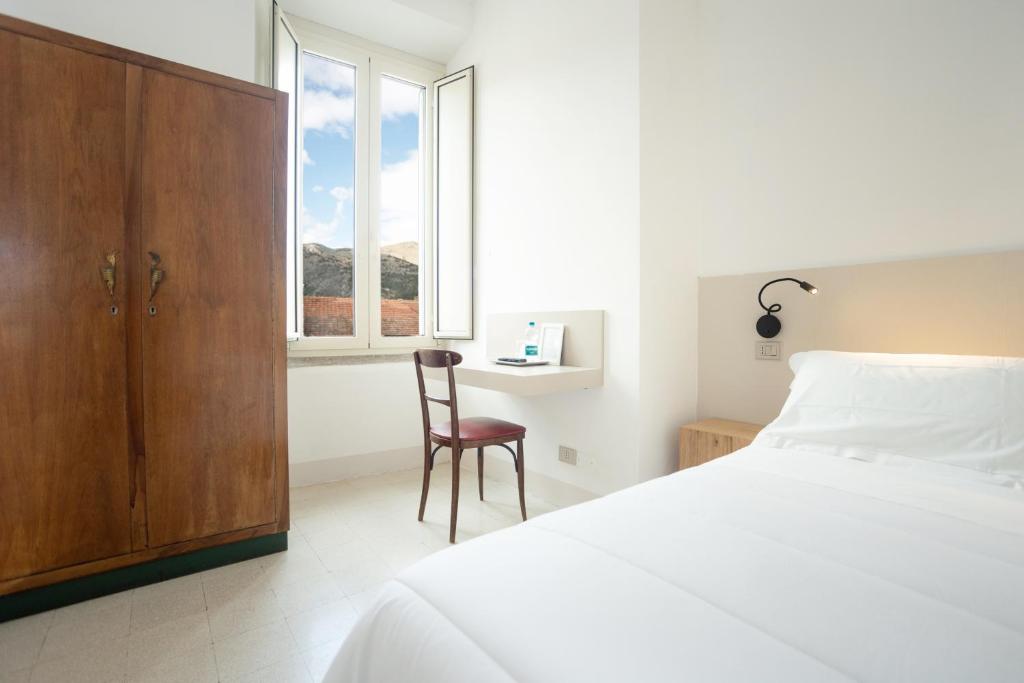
{"x": 287, "y": 79}
{"x": 328, "y": 192}
{"x": 401, "y": 208}
{"x": 453, "y": 197}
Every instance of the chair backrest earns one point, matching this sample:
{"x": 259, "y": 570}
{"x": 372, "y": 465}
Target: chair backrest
{"x": 436, "y": 358}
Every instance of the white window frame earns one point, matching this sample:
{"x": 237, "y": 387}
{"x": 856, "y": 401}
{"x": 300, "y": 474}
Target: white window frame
{"x": 291, "y": 308}
{"x": 371, "y": 62}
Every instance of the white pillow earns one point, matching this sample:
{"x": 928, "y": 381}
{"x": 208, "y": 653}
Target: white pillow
{"x": 963, "y": 413}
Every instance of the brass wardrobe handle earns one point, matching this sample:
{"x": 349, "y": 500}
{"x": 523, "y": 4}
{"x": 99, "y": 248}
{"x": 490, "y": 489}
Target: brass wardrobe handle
{"x": 156, "y": 274}
{"x": 109, "y": 272}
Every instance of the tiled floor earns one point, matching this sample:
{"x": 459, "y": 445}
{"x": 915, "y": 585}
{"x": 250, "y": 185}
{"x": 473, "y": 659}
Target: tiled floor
{"x": 278, "y": 618}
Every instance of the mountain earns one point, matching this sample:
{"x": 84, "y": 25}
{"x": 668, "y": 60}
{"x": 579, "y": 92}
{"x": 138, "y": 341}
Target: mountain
{"x": 407, "y": 251}
{"x": 399, "y": 279}
{"x": 328, "y": 272}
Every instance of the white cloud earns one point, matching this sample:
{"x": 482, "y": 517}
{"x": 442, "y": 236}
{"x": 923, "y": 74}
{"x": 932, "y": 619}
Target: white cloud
{"x": 398, "y": 98}
{"x": 306, "y": 159}
{"x": 400, "y": 206}
{"x": 332, "y": 233}
{"x": 318, "y": 188}
{"x": 325, "y": 73}
{"x": 341, "y": 194}
{"x": 327, "y": 111}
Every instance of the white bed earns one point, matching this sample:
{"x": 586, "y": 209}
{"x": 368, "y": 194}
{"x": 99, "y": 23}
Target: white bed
{"x": 772, "y": 564}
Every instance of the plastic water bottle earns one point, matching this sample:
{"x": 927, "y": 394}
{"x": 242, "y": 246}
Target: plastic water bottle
{"x": 531, "y": 342}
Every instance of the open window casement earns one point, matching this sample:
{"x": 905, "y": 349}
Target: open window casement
{"x": 453, "y": 206}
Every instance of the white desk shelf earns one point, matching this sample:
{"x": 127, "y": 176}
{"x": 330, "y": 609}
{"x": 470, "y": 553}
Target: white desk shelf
{"x": 582, "y": 356}
{"x": 531, "y": 381}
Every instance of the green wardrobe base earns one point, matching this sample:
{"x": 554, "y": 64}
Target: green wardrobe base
{"x": 37, "y": 600}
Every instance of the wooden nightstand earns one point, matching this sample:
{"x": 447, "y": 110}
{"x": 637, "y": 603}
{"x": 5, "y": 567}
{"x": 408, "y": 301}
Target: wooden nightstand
{"x": 709, "y": 439}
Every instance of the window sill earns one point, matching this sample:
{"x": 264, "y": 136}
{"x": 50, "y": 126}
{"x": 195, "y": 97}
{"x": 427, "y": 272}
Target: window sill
{"x": 309, "y": 359}
{"x": 306, "y": 357}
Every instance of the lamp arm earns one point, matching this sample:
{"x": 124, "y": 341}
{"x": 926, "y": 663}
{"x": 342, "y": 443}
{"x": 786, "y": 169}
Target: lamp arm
{"x": 774, "y": 308}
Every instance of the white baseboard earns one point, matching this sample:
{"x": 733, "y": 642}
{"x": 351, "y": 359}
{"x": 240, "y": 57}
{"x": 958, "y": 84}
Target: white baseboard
{"x": 546, "y": 488}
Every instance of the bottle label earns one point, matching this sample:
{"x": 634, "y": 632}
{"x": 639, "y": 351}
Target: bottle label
{"x": 530, "y": 350}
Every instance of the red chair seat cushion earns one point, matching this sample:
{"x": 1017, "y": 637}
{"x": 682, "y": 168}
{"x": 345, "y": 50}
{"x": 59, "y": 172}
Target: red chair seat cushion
{"x": 479, "y": 429}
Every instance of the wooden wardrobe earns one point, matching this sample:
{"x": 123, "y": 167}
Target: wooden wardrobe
{"x": 142, "y": 304}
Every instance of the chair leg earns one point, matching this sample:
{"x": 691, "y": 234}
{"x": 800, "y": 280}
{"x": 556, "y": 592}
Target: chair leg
{"x": 456, "y": 457}
{"x": 428, "y": 464}
{"x": 480, "y": 470}
{"x": 520, "y": 471}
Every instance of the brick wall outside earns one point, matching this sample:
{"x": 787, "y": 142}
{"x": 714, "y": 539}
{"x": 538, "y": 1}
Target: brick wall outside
{"x": 332, "y": 316}
{"x": 400, "y": 317}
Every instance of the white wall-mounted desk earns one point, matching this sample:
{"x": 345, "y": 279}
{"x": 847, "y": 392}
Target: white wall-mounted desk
{"x": 530, "y": 381}
{"x": 582, "y": 355}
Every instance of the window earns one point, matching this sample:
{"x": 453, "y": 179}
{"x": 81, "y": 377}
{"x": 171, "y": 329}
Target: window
{"x": 360, "y": 212}
{"x": 286, "y": 78}
{"x": 328, "y": 226}
{"x": 402, "y": 200}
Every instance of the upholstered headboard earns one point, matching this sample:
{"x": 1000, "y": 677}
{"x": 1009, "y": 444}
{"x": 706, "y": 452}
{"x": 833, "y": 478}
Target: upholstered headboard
{"x": 961, "y": 304}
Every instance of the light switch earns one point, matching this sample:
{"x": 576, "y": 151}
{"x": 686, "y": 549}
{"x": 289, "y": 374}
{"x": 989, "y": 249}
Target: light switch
{"x": 768, "y": 350}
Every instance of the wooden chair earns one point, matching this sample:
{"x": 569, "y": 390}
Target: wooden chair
{"x": 458, "y": 435}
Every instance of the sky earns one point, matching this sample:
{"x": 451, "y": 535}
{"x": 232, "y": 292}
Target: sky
{"x": 328, "y": 155}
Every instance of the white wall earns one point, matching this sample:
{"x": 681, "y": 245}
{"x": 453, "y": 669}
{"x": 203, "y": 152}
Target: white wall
{"x": 669, "y": 230}
{"x": 216, "y": 35}
{"x": 344, "y": 410}
{"x": 346, "y": 421}
{"x": 556, "y": 211}
{"x": 849, "y": 132}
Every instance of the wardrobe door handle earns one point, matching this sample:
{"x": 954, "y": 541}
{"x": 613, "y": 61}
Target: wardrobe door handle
{"x": 156, "y": 274}
{"x": 109, "y": 272}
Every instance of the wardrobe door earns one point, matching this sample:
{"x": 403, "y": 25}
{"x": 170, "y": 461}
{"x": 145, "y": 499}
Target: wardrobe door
{"x": 209, "y": 329}
{"x": 64, "y": 461}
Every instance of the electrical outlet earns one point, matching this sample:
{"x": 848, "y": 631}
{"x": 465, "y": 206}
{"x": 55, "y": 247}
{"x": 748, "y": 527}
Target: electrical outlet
{"x": 567, "y": 455}
{"x": 768, "y": 350}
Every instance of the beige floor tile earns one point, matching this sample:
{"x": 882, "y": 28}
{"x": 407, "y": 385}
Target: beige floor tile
{"x": 85, "y": 626}
{"x": 337, "y": 534}
{"x": 105, "y": 603}
{"x": 169, "y": 587}
{"x": 332, "y": 621}
{"x": 400, "y": 559}
{"x": 36, "y": 623}
{"x": 154, "y": 648}
{"x": 338, "y": 557}
{"x": 19, "y": 650}
{"x": 290, "y": 670}
{"x": 360, "y": 576}
{"x": 21, "y": 676}
{"x": 234, "y": 592}
{"x": 254, "y": 650}
{"x": 323, "y": 521}
{"x": 154, "y": 607}
{"x": 231, "y": 573}
{"x": 198, "y": 665}
{"x": 306, "y": 595}
{"x": 282, "y": 572}
{"x": 102, "y": 662}
{"x": 254, "y": 611}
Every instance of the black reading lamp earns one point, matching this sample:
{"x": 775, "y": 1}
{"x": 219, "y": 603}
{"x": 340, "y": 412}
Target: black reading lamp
{"x": 768, "y": 325}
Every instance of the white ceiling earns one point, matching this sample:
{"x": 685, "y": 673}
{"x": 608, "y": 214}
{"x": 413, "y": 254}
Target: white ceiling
{"x": 432, "y": 29}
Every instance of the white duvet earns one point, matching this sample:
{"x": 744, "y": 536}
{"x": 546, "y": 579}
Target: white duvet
{"x": 766, "y": 565}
